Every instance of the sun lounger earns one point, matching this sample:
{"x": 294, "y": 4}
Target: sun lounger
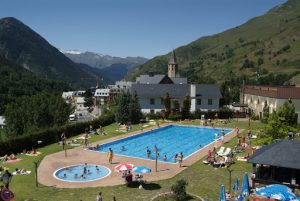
{"x": 227, "y": 152}
{"x": 221, "y": 151}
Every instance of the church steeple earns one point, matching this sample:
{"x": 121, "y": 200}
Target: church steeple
{"x": 172, "y": 65}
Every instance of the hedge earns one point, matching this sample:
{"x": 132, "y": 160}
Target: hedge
{"x": 51, "y": 135}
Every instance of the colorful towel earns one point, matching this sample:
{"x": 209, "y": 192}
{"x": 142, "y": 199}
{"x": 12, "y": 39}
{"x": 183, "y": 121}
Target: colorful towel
{"x": 14, "y": 160}
{"x": 15, "y": 173}
{"x": 36, "y": 154}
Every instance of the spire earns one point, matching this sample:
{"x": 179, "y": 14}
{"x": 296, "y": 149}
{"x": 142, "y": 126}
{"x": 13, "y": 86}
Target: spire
{"x": 173, "y": 59}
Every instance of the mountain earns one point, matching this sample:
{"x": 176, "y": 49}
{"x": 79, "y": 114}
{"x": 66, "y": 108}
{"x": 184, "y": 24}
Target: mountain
{"x": 265, "y": 49}
{"x": 16, "y": 82}
{"x": 20, "y": 44}
{"x": 114, "y": 68}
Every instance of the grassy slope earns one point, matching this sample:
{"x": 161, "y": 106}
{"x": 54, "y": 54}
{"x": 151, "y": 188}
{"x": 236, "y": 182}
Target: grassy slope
{"x": 210, "y": 56}
{"x": 203, "y": 180}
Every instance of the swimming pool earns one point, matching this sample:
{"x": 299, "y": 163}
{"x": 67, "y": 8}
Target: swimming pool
{"x": 76, "y": 173}
{"x": 169, "y": 140}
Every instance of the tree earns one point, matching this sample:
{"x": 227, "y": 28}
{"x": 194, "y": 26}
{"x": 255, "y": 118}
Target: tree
{"x": 260, "y": 61}
{"x": 41, "y": 111}
{"x": 282, "y": 121}
{"x": 123, "y": 111}
{"x": 179, "y": 189}
{"x": 167, "y": 104}
{"x": 88, "y": 98}
{"x": 186, "y": 107}
{"x": 266, "y": 113}
{"x": 287, "y": 112}
{"x": 135, "y": 109}
{"x": 176, "y": 107}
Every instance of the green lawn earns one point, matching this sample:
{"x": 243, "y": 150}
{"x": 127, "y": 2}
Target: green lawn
{"x": 203, "y": 179}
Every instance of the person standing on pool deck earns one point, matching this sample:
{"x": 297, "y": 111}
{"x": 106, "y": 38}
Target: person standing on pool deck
{"x": 222, "y": 135}
{"x": 180, "y": 158}
{"x": 110, "y": 155}
{"x": 86, "y": 139}
{"x": 99, "y": 197}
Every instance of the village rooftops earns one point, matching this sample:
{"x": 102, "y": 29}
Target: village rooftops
{"x": 176, "y": 90}
{"x": 159, "y": 79}
{"x": 279, "y": 92}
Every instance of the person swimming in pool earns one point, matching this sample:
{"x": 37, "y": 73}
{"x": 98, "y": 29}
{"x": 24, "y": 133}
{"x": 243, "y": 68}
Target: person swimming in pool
{"x": 85, "y": 168}
{"x": 97, "y": 168}
{"x": 165, "y": 158}
{"x": 65, "y": 175}
{"x": 75, "y": 176}
{"x": 123, "y": 148}
{"x": 148, "y": 152}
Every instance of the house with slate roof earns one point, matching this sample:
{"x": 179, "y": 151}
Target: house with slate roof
{"x": 151, "y": 90}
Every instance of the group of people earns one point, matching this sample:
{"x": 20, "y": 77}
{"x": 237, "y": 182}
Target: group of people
{"x": 7, "y": 157}
{"x": 177, "y": 157}
{"x": 212, "y": 156}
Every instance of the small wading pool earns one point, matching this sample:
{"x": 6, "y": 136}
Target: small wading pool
{"x": 75, "y": 173}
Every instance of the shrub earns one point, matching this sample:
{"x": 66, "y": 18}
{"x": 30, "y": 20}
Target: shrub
{"x": 179, "y": 189}
{"x": 174, "y": 117}
{"x": 51, "y": 135}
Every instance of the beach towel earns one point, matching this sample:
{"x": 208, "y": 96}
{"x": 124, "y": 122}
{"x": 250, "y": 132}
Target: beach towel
{"x": 241, "y": 159}
{"x": 14, "y": 160}
{"x": 36, "y": 154}
{"x": 74, "y": 145}
{"x": 15, "y": 173}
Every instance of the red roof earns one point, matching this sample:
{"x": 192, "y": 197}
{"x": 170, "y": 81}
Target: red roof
{"x": 280, "y": 92}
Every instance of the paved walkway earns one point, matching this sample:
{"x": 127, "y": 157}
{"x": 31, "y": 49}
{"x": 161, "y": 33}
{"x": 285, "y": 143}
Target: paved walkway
{"x": 78, "y": 155}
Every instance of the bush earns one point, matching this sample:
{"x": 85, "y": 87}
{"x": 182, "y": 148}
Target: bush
{"x": 179, "y": 189}
{"x": 51, "y": 135}
{"x": 174, "y": 117}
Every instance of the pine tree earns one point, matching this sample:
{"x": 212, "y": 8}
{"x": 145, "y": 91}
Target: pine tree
{"x": 186, "y": 107}
{"x": 176, "y": 107}
{"x": 167, "y": 104}
{"x": 135, "y": 109}
{"x": 88, "y": 98}
{"x": 122, "y": 113}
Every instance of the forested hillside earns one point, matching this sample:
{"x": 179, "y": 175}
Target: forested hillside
{"x": 15, "y": 82}
{"x": 265, "y": 50}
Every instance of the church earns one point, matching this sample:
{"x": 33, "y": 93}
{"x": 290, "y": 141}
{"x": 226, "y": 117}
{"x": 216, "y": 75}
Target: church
{"x": 151, "y": 90}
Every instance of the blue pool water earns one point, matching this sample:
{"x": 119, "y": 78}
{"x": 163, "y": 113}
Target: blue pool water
{"x": 170, "y": 140}
{"x": 93, "y": 173}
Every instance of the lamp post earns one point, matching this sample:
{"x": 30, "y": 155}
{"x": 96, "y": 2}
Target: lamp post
{"x": 36, "y": 164}
{"x": 156, "y": 155}
{"x": 229, "y": 171}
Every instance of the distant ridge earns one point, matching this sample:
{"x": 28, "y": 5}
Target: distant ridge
{"x": 113, "y": 68}
{"x": 20, "y": 44}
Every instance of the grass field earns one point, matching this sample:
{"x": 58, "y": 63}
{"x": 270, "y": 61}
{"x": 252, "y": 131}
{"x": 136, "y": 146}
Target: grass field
{"x": 203, "y": 180}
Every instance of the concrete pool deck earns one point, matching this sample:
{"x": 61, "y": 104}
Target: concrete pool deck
{"x": 78, "y": 155}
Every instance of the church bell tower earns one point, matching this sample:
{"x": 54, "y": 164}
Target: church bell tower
{"x": 172, "y": 65}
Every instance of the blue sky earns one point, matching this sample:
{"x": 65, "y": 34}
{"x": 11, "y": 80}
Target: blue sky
{"x": 131, "y": 27}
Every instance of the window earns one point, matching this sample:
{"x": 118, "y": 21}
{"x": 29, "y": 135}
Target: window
{"x": 152, "y": 101}
{"x": 209, "y": 101}
{"x": 198, "y": 101}
{"x": 162, "y": 101}
{"x": 152, "y": 111}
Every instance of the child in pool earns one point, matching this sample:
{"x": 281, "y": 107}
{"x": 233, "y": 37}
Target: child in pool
{"x": 76, "y": 176}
